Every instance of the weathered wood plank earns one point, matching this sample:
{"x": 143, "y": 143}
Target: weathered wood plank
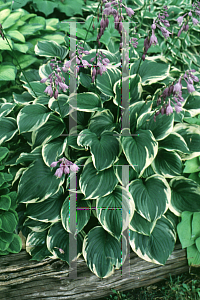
{"x": 21, "y": 279}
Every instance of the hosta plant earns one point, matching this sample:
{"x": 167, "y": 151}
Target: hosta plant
{"x": 10, "y": 242}
{"x": 46, "y": 157}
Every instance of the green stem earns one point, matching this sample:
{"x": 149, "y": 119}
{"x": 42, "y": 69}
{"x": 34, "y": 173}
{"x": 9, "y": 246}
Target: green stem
{"x": 18, "y": 63}
{"x": 138, "y": 30}
{"x": 141, "y": 57}
{"x": 61, "y": 116}
{"x": 91, "y": 23}
{"x": 175, "y": 40}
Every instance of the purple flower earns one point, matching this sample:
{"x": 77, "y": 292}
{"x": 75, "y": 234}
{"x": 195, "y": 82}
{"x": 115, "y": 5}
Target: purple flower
{"x": 180, "y": 21}
{"x": 65, "y": 167}
{"x": 195, "y": 21}
{"x": 166, "y": 23}
{"x": 153, "y": 39}
{"x": 178, "y": 108}
{"x": 190, "y": 87}
{"x": 59, "y": 172}
{"x": 56, "y": 94}
{"x": 129, "y": 11}
{"x": 178, "y": 86}
{"x": 74, "y": 168}
{"x": 54, "y": 164}
{"x": 165, "y": 32}
{"x": 49, "y": 90}
{"x": 169, "y": 109}
{"x": 66, "y": 66}
{"x": 66, "y": 170}
{"x": 195, "y": 78}
{"x": 63, "y": 86}
{"x": 85, "y": 63}
{"x": 43, "y": 80}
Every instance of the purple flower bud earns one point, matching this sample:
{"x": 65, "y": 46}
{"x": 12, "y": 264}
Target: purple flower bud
{"x": 56, "y": 94}
{"x": 178, "y": 86}
{"x": 66, "y": 66}
{"x": 43, "y": 80}
{"x": 178, "y": 109}
{"x": 102, "y": 23}
{"x": 107, "y": 5}
{"x": 195, "y": 78}
{"x": 94, "y": 72}
{"x": 190, "y": 81}
{"x": 195, "y": 21}
{"x": 153, "y": 26}
{"x": 166, "y": 23}
{"x": 179, "y": 33}
{"x": 162, "y": 111}
{"x": 120, "y": 27}
{"x": 190, "y": 14}
{"x": 171, "y": 89}
{"x": 85, "y": 63}
{"x": 105, "y": 61}
{"x": 49, "y": 90}
{"x": 66, "y": 170}
{"x": 129, "y": 11}
{"x": 74, "y": 168}
{"x": 169, "y": 109}
{"x": 59, "y": 172}
{"x": 86, "y": 52}
{"x": 180, "y": 20}
{"x": 165, "y": 92}
{"x": 186, "y": 27}
{"x": 107, "y": 11}
{"x": 106, "y": 22}
{"x": 77, "y": 61}
{"x": 190, "y": 88}
{"x": 165, "y": 32}
{"x": 153, "y": 39}
{"x": 157, "y": 113}
{"x": 54, "y": 164}
{"x": 63, "y": 86}
{"x": 92, "y": 59}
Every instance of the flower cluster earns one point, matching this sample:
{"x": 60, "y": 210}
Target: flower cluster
{"x": 185, "y": 27}
{"x": 177, "y": 94}
{"x": 57, "y": 81}
{"x": 197, "y": 11}
{"x": 101, "y": 66}
{"x": 153, "y": 39}
{"x": 79, "y": 59}
{"x": 109, "y": 10}
{"x": 65, "y": 167}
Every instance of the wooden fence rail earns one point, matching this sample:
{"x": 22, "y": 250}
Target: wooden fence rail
{"x": 22, "y": 279}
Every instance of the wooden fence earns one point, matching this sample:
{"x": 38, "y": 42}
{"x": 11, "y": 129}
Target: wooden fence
{"x": 22, "y": 279}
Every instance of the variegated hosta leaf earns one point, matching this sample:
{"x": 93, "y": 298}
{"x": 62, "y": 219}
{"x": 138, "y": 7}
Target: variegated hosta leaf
{"x": 157, "y": 247}
{"x": 139, "y": 150}
{"x": 167, "y": 163}
{"x": 82, "y": 218}
{"x": 151, "y": 197}
{"x": 185, "y": 195}
{"x": 112, "y": 208}
{"x": 105, "y": 149}
{"x": 95, "y": 184}
{"x": 102, "y": 252}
